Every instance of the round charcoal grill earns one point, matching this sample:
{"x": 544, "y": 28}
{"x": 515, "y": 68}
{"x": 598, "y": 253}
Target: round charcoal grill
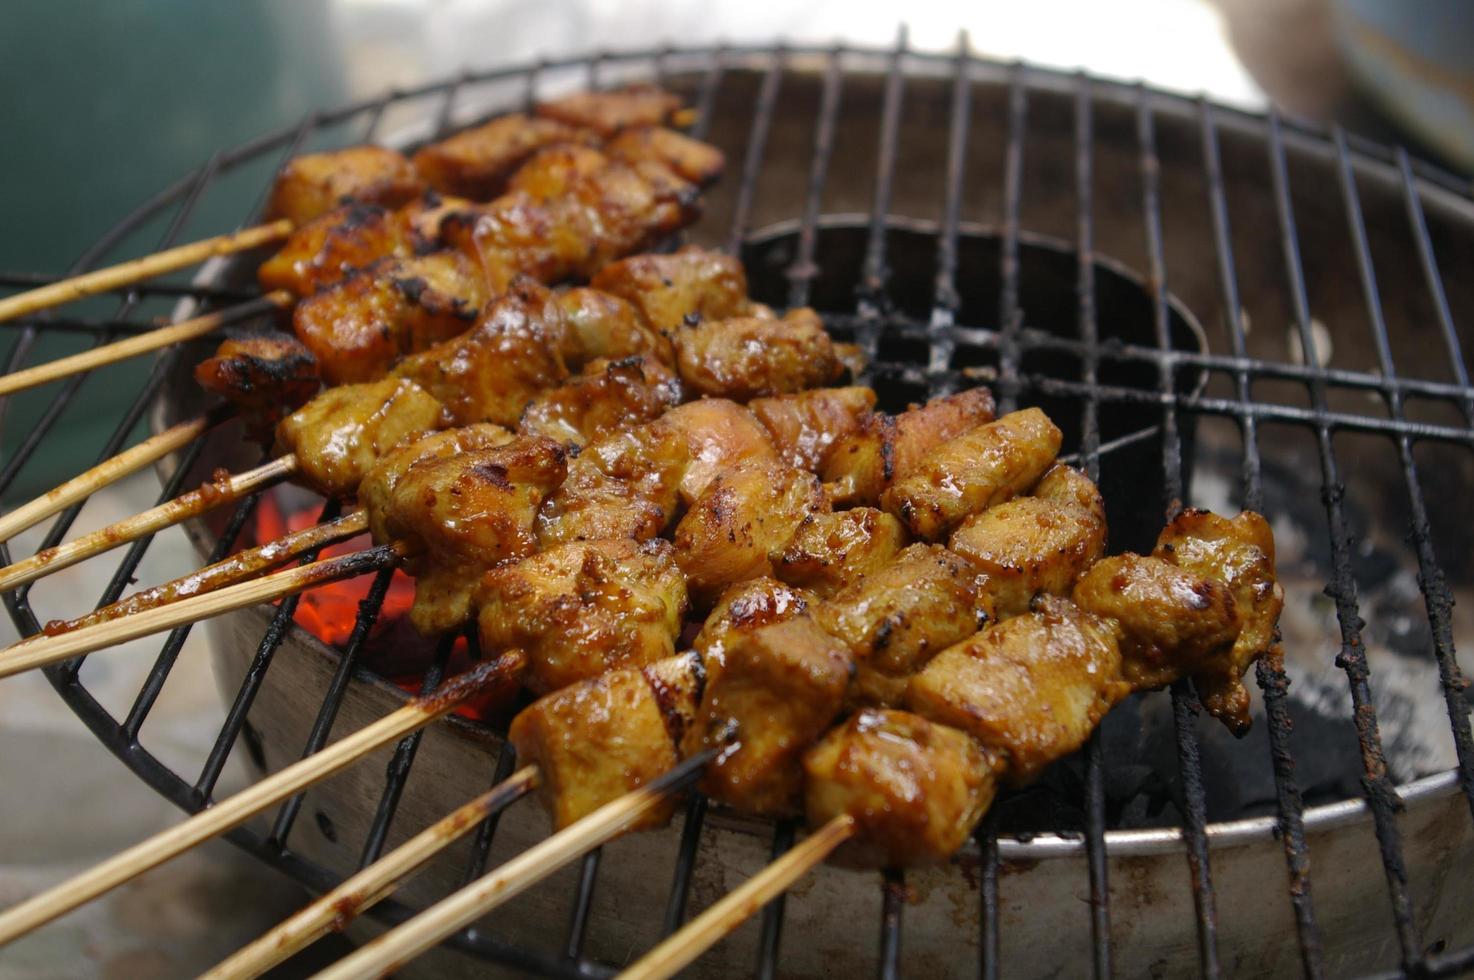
{"x": 1218, "y": 309}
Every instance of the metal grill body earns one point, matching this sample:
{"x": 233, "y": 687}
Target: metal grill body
{"x": 1218, "y": 309}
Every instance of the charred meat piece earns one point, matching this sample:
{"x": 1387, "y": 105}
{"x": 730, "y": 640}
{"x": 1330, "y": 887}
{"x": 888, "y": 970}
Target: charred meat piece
{"x": 717, "y": 435}
{"x": 580, "y": 609}
{"x": 476, "y": 162}
{"x": 490, "y": 372}
{"x": 686, "y": 286}
{"x": 379, "y": 482}
{"x": 1031, "y": 688}
{"x": 601, "y": 325}
{"x": 831, "y": 551}
{"x": 806, "y": 426}
{"x": 311, "y": 185}
{"x": 606, "y": 736}
{"x": 608, "y": 112}
{"x": 693, "y": 160}
{"x": 556, "y": 170}
{"x": 916, "y": 789}
{"x": 972, "y": 472}
{"x": 266, "y": 376}
{"x": 360, "y": 327}
{"x": 779, "y": 689}
{"x": 1240, "y": 554}
{"x": 747, "y": 357}
{"x": 741, "y": 522}
{"x": 901, "y": 615}
{"x": 863, "y": 465}
{"x": 606, "y": 396}
{"x": 330, "y": 247}
{"x": 460, "y": 515}
{"x": 743, "y": 608}
{"x": 1039, "y": 543}
{"x": 339, "y": 435}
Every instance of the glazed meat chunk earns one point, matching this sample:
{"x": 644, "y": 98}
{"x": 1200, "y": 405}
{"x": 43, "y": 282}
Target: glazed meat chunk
{"x": 1040, "y": 543}
{"x": 742, "y": 520}
{"x": 972, "y": 472}
{"x": 580, "y": 609}
{"x": 601, "y": 325}
{"x": 492, "y": 371}
{"x": 780, "y": 687}
{"x": 328, "y": 248}
{"x": 339, "y": 435}
{"x": 266, "y": 376}
{"x": 916, "y": 789}
{"x": 688, "y": 285}
{"x": 693, "y": 160}
{"x": 313, "y": 184}
{"x": 608, "y": 112}
{"x": 476, "y": 162}
{"x": 1031, "y": 688}
{"x": 379, "y": 482}
{"x": 749, "y": 356}
{"x": 360, "y": 327}
{"x": 460, "y": 515}
{"x": 806, "y": 426}
{"x": 605, "y": 397}
{"x": 831, "y": 551}
{"x": 863, "y": 465}
{"x": 743, "y": 608}
{"x": 900, "y": 616}
{"x": 603, "y": 737}
{"x": 717, "y": 434}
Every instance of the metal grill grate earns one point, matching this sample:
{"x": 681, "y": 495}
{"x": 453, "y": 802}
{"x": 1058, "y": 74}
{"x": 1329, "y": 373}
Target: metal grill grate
{"x": 949, "y": 345}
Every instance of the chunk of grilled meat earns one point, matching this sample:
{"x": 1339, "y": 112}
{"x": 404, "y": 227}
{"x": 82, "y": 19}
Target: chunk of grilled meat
{"x": 601, "y": 738}
{"x": 476, "y": 162}
{"x": 266, "y": 376}
{"x": 780, "y": 687}
{"x": 916, "y": 789}
{"x": 742, "y": 608}
{"x": 601, "y": 325}
{"x": 693, "y": 160}
{"x": 311, "y": 185}
{"x": 863, "y": 465}
{"x": 609, "y": 111}
{"x": 339, "y": 435}
{"x": 360, "y": 327}
{"x": 806, "y": 426}
{"x": 490, "y": 372}
{"x": 379, "y": 482}
{"x": 746, "y": 357}
{"x": 688, "y": 285}
{"x": 1031, "y": 688}
{"x": 1038, "y": 543}
{"x": 606, "y": 396}
{"x": 741, "y": 522}
{"x": 832, "y": 551}
{"x": 901, "y": 615}
{"x": 582, "y": 608}
{"x": 1240, "y": 554}
{"x": 333, "y": 245}
{"x": 460, "y": 515}
{"x": 971, "y": 472}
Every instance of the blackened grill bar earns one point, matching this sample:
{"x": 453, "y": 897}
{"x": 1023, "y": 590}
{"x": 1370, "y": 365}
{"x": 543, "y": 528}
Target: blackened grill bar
{"x": 945, "y": 332}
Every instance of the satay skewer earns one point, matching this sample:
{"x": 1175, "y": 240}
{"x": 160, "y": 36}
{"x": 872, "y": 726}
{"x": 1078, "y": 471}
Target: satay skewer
{"x": 335, "y": 909}
{"x": 225, "y": 489}
{"x": 38, "y": 910}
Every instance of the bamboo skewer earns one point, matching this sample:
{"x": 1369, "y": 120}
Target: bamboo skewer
{"x": 396, "y": 947}
{"x": 334, "y": 910}
{"x": 237, "y": 568}
{"x": 109, "y": 471}
{"x": 181, "y": 508}
{"x": 121, "y": 350}
{"x": 742, "y": 903}
{"x": 134, "y": 270}
{"x": 40, "y": 909}
{"x": 38, "y": 651}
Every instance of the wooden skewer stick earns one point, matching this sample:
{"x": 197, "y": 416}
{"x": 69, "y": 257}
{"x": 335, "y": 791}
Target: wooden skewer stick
{"x": 237, "y": 568}
{"x": 738, "y": 906}
{"x": 34, "y": 912}
{"x": 82, "y": 486}
{"x": 334, "y": 910}
{"x": 135, "y": 270}
{"x": 396, "y": 947}
{"x": 38, "y": 651}
{"x": 121, "y": 350}
{"x": 181, "y": 508}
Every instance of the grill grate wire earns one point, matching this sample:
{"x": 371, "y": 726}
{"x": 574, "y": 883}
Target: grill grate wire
{"x": 941, "y": 334}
